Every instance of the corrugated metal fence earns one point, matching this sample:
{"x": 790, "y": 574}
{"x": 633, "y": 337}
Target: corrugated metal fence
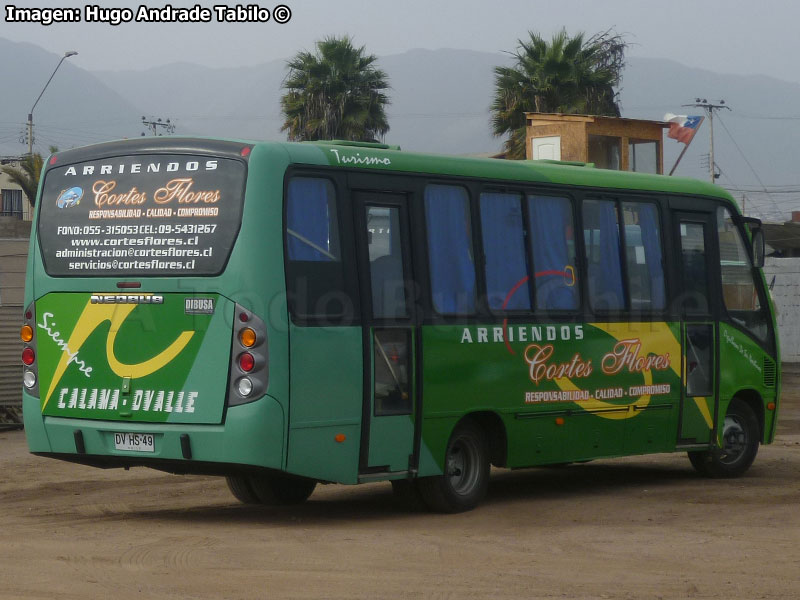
{"x": 13, "y": 257}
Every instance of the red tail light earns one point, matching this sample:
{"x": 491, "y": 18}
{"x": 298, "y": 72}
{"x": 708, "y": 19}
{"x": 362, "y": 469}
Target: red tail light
{"x": 28, "y": 356}
{"x": 246, "y": 362}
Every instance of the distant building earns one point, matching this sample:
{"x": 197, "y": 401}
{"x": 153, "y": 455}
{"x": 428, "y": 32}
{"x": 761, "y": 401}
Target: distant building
{"x": 13, "y": 202}
{"x": 784, "y": 238}
{"x": 608, "y": 142}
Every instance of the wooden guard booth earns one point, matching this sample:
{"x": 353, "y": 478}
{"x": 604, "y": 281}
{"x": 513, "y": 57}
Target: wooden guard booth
{"x": 608, "y": 142}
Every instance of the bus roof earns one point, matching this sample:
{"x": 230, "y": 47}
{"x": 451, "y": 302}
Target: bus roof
{"x": 374, "y": 157}
{"x": 382, "y": 157}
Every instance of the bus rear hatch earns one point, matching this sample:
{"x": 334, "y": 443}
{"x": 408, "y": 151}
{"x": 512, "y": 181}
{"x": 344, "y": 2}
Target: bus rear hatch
{"x": 112, "y": 343}
{"x": 142, "y": 357}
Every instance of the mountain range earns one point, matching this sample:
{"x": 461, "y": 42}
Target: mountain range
{"x": 439, "y": 103}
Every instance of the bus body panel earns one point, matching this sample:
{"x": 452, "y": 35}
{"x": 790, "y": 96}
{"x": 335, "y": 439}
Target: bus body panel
{"x": 566, "y": 391}
{"x": 253, "y": 436}
{"x": 327, "y": 390}
{"x": 747, "y": 371}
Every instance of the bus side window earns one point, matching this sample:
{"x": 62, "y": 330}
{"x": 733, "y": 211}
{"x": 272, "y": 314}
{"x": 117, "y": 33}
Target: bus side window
{"x": 739, "y": 291}
{"x": 386, "y": 262}
{"x": 643, "y": 256}
{"x": 695, "y": 274}
{"x": 315, "y": 276}
{"x": 450, "y": 258}
{"x": 601, "y": 235}
{"x": 504, "y": 251}
{"x": 553, "y": 242}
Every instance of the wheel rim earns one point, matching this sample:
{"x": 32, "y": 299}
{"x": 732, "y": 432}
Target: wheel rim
{"x": 734, "y": 440}
{"x": 462, "y": 461}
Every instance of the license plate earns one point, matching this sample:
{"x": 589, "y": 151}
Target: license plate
{"x": 135, "y": 442}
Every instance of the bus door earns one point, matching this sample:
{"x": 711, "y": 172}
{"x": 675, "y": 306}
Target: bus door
{"x": 694, "y": 233}
{"x": 390, "y": 409}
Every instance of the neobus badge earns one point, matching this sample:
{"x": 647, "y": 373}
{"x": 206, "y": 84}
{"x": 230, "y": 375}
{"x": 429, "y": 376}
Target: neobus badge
{"x": 127, "y": 299}
{"x": 199, "y": 306}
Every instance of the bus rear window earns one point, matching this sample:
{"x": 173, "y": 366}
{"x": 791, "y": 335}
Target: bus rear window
{"x": 141, "y": 215}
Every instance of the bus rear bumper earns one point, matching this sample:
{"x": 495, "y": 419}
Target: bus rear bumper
{"x": 252, "y": 436}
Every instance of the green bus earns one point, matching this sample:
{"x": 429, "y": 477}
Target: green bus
{"x": 288, "y": 314}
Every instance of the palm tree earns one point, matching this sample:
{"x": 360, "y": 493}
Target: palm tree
{"x": 27, "y": 174}
{"x": 335, "y": 93}
{"x": 567, "y": 75}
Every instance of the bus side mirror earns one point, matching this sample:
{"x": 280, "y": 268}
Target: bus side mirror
{"x": 759, "y": 247}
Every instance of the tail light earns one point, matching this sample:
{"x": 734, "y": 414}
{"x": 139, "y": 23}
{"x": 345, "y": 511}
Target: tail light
{"x": 28, "y": 356}
{"x": 246, "y": 362}
{"x": 249, "y": 368}
{"x": 30, "y": 372}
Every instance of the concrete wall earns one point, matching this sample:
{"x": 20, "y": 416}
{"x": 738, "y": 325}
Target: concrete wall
{"x": 783, "y": 275}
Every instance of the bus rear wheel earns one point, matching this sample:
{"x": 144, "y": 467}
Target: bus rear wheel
{"x": 466, "y": 472}
{"x": 740, "y": 439}
{"x": 241, "y": 489}
{"x": 270, "y": 489}
{"x": 274, "y": 489}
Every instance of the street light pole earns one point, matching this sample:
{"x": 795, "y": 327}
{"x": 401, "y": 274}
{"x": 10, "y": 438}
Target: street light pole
{"x": 30, "y": 114}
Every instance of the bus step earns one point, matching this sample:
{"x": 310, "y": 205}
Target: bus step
{"x": 364, "y": 477}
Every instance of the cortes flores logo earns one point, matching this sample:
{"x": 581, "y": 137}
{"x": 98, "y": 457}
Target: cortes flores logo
{"x": 69, "y": 198}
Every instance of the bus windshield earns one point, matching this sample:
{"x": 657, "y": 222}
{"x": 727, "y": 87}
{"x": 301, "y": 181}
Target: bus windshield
{"x": 146, "y": 214}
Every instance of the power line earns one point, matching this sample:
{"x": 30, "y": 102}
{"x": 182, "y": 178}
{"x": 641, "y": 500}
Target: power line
{"x": 761, "y": 183}
{"x": 709, "y": 108}
{"x": 157, "y": 124}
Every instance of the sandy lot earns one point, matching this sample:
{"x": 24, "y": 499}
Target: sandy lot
{"x": 632, "y": 528}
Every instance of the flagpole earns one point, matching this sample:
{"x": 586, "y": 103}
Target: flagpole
{"x": 680, "y": 156}
{"x": 685, "y": 148}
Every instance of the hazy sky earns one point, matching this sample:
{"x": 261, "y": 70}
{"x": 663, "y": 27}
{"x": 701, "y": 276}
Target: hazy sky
{"x": 729, "y": 36}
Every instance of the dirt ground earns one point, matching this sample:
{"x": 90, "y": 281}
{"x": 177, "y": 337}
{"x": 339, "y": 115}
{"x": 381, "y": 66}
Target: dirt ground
{"x": 644, "y": 527}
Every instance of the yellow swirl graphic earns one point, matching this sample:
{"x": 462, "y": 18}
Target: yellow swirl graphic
{"x": 656, "y": 338}
{"x": 91, "y": 318}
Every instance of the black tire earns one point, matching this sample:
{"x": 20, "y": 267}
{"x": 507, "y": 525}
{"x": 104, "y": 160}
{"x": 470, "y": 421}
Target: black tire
{"x": 406, "y": 492}
{"x": 466, "y": 472}
{"x": 274, "y": 489}
{"x": 240, "y": 487}
{"x": 740, "y": 440}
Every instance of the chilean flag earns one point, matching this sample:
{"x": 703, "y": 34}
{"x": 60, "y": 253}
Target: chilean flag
{"x": 681, "y": 127}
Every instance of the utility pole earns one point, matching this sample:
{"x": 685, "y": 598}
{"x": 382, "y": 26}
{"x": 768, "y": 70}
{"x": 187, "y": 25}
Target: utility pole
{"x": 710, "y": 107}
{"x": 154, "y": 125}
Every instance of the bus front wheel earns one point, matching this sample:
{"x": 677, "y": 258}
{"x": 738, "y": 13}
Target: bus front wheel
{"x": 740, "y": 439}
{"x": 466, "y": 472}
